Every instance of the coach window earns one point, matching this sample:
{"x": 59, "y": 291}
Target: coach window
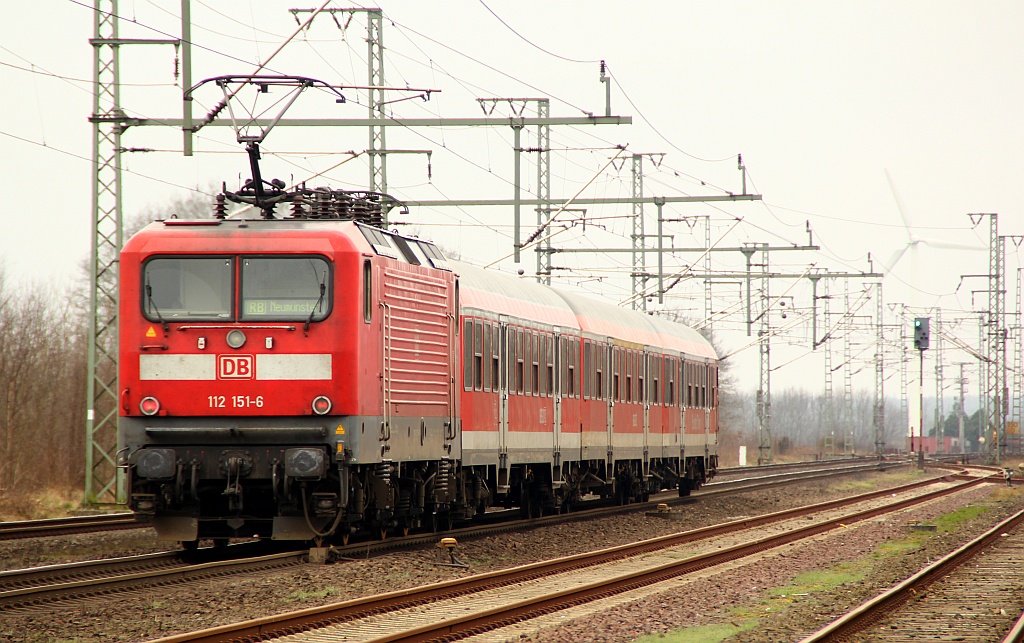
{"x": 535, "y": 363}
{"x": 616, "y": 373}
{"x": 703, "y": 386}
{"x": 670, "y": 381}
{"x": 520, "y": 367}
{"x": 641, "y": 378}
{"x": 187, "y": 288}
{"x": 563, "y": 367}
{"x": 588, "y": 370}
{"x": 285, "y": 288}
{"x": 496, "y": 357}
{"x": 655, "y": 362}
{"x": 570, "y": 379}
{"x": 478, "y": 356}
{"x": 485, "y": 366}
{"x": 687, "y": 385}
{"x": 467, "y": 355}
{"x": 714, "y": 387}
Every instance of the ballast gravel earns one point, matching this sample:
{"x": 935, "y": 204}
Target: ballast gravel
{"x": 727, "y": 598}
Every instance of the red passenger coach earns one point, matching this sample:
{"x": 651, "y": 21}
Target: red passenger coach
{"x": 564, "y": 396}
{"x": 312, "y": 376}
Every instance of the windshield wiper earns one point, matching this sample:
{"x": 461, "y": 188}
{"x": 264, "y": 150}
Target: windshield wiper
{"x": 152, "y": 304}
{"x": 320, "y": 300}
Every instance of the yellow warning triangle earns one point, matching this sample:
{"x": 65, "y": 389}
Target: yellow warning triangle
{"x": 151, "y": 332}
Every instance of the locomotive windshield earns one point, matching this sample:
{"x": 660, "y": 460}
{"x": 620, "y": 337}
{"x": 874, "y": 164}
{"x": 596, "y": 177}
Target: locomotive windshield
{"x": 202, "y": 288}
{"x": 187, "y": 288}
{"x": 285, "y": 288}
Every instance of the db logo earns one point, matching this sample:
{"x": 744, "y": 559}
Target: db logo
{"x": 235, "y": 367}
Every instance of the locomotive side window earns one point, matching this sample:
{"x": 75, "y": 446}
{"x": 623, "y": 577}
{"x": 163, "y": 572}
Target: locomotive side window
{"x": 187, "y": 288}
{"x": 286, "y": 288}
{"x": 367, "y": 291}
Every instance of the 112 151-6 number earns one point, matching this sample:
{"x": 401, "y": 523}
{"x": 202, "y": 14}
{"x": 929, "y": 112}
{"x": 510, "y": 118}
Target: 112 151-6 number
{"x": 235, "y": 401}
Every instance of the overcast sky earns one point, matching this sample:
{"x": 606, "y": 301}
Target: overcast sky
{"x": 822, "y": 99}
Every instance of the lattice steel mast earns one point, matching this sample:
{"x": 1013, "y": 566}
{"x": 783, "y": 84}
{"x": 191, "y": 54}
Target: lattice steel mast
{"x": 878, "y": 417}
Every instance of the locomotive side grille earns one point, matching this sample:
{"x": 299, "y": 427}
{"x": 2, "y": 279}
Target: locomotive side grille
{"x": 417, "y": 358}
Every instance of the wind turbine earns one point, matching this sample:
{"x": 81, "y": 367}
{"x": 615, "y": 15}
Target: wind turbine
{"x": 914, "y": 241}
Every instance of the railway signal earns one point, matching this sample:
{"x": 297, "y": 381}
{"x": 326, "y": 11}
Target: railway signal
{"x": 921, "y": 334}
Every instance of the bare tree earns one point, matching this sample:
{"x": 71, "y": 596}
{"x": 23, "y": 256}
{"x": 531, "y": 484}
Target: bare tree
{"x": 42, "y": 389}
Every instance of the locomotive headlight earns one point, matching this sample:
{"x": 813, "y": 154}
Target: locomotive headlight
{"x": 156, "y": 463}
{"x": 321, "y": 405}
{"x": 236, "y": 338}
{"x": 149, "y": 406}
{"x": 304, "y": 463}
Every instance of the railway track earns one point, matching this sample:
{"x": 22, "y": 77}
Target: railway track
{"x": 66, "y": 526}
{"x": 53, "y": 583}
{"x": 973, "y": 594}
{"x": 29, "y": 588}
{"x": 482, "y": 602}
{"x": 107, "y": 522}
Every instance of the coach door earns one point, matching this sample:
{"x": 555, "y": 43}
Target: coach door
{"x": 555, "y": 382}
{"x": 507, "y": 361}
{"x": 603, "y": 386}
{"x": 646, "y": 388}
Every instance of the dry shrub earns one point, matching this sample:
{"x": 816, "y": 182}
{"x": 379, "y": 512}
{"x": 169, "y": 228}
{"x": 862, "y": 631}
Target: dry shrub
{"x": 46, "y": 503}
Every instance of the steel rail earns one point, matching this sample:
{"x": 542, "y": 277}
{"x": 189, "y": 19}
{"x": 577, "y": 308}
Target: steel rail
{"x": 877, "y": 608}
{"x": 163, "y": 572}
{"x": 70, "y": 525}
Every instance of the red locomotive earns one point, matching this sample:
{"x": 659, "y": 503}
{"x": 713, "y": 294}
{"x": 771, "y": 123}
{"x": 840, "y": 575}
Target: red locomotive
{"x": 311, "y": 376}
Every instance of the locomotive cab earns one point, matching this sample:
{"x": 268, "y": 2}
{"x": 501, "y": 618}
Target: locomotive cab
{"x": 254, "y": 360}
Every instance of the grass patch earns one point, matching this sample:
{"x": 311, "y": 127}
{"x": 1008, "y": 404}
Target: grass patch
{"x": 898, "y": 547}
{"x": 823, "y": 580}
{"x": 952, "y": 520}
{"x": 854, "y": 486}
{"x": 699, "y": 634}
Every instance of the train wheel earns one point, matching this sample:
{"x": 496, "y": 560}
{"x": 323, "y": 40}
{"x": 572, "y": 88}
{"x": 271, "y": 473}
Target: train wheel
{"x": 383, "y": 533}
{"x": 220, "y": 543}
{"x": 190, "y": 545}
